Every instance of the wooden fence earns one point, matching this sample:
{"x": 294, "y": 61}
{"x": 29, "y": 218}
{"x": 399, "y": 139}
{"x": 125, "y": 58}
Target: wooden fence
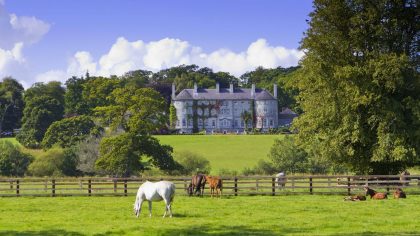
{"x": 240, "y": 185}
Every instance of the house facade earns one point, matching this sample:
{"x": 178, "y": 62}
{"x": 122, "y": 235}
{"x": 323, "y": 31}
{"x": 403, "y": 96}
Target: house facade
{"x": 225, "y": 109}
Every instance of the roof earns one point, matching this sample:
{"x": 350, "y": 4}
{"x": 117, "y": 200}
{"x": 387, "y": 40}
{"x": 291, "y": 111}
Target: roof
{"x": 286, "y": 113}
{"x": 224, "y": 94}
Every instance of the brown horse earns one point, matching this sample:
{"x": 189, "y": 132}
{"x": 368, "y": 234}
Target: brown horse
{"x": 355, "y": 198}
{"x": 215, "y": 185}
{"x": 399, "y": 193}
{"x": 375, "y": 195}
{"x": 197, "y": 185}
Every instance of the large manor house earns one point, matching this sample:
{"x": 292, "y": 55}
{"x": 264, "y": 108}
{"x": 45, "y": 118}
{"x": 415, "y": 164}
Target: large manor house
{"x": 225, "y": 110}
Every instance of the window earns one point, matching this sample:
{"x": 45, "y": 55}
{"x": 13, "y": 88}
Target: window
{"x": 236, "y": 123}
{"x": 271, "y": 122}
{"x": 177, "y": 123}
{"x": 183, "y": 122}
{"x": 200, "y": 122}
{"x": 242, "y": 123}
{"x": 213, "y": 123}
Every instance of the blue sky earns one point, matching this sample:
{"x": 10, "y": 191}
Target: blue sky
{"x": 43, "y": 40}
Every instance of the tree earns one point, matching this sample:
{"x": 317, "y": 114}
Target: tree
{"x": 138, "y": 112}
{"x": 135, "y": 110}
{"x": 11, "y": 104}
{"x": 121, "y": 155}
{"x": 285, "y": 155}
{"x": 75, "y": 104}
{"x": 96, "y": 91}
{"x": 246, "y": 117}
{"x": 69, "y": 131}
{"x": 39, "y": 114}
{"x": 13, "y": 162}
{"x": 359, "y": 84}
{"x": 44, "y": 104}
{"x": 192, "y": 163}
{"x": 87, "y": 152}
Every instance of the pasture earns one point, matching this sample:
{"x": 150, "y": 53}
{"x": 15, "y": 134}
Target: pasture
{"x": 257, "y": 215}
{"x": 231, "y": 152}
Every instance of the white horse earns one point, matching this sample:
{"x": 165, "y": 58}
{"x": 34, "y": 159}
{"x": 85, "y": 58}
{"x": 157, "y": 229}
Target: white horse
{"x": 281, "y": 179}
{"x": 162, "y": 190}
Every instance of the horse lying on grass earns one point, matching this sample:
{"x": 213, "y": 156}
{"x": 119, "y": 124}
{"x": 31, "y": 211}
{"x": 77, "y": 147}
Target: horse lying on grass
{"x": 148, "y": 191}
{"x": 215, "y": 185}
{"x": 355, "y": 198}
{"x": 399, "y": 193}
{"x": 375, "y": 195}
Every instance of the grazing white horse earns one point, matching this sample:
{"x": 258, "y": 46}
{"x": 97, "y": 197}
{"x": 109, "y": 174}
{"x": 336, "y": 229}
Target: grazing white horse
{"x": 149, "y": 191}
{"x": 281, "y": 179}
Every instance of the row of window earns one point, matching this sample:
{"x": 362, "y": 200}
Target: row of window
{"x": 224, "y": 123}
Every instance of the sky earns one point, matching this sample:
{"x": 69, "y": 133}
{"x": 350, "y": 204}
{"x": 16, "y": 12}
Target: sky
{"x": 45, "y": 40}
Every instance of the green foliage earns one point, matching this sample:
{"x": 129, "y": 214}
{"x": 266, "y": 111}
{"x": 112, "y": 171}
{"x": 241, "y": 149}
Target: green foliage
{"x": 11, "y": 104}
{"x": 55, "y": 162}
{"x": 96, "y": 91}
{"x": 69, "y": 131}
{"x": 13, "y": 162}
{"x": 122, "y": 155}
{"x": 87, "y": 152}
{"x": 136, "y": 110}
{"x": 39, "y": 113}
{"x": 192, "y": 163}
{"x": 286, "y": 156}
{"x": 359, "y": 85}
{"x": 172, "y": 116}
{"x": 75, "y": 104}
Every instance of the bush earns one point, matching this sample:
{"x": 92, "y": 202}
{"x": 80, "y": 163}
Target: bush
{"x": 13, "y": 162}
{"x": 192, "y": 163}
{"x": 87, "y": 153}
{"x": 227, "y": 172}
{"x": 287, "y": 156}
{"x": 55, "y": 162}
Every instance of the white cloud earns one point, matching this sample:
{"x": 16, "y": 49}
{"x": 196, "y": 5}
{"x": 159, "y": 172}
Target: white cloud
{"x": 17, "y": 32}
{"x": 156, "y": 55}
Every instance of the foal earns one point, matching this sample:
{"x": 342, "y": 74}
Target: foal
{"x": 215, "y": 185}
{"x": 375, "y": 195}
{"x": 399, "y": 193}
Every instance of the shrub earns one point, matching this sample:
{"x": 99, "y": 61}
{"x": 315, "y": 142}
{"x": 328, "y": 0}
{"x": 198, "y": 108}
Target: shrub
{"x": 192, "y": 163}
{"x": 55, "y": 162}
{"x": 287, "y": 156}
{"x": 87, "y": 152}
{"x": 13, "y": 162}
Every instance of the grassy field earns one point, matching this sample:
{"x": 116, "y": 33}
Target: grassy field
{"x": 280, "y": 215}
{"x": 33, "y": 152}
{"x": 232, "y": 152}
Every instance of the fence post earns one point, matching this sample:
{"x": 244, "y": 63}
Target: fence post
{"x": 115, "y": 185}
{"x": 236, "y": 186}
{"x": 273, "y": 186}
{"x": 257, "y": 184}
{"x": 348, "y": 186}
{"x": 125, "y": 187}
{"x": 17, "y": 188}
{"x": 53, "y": 187}
{"x": 89, "y": 187}
{"x": 11, "y": 184}
{"x": 310, "y": 185}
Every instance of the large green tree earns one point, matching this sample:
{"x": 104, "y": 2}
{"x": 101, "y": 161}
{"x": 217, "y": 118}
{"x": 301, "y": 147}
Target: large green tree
{"x": 138, "y": 112}
{"x": 359, "y": 84}
{"x": 11, "y": 104}
{"x": 69, "y": 131}
{"x": 44, "y": 104}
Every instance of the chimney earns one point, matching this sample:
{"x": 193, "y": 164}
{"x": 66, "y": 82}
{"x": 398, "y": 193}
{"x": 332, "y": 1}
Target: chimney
{"x": 275, "y": 90}
{"x": 195, "y": 89}
{"x": 231, "y": 88}
{"x": 217, "y": 87}
{"x": 173, "y": 91}
{"x": 253, "y": 90}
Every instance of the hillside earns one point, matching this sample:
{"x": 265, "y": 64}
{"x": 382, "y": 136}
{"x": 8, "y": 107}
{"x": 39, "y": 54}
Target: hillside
{"x": 232, "y": 152}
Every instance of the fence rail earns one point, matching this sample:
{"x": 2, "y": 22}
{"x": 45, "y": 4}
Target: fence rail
{"x": 239, "y": 185}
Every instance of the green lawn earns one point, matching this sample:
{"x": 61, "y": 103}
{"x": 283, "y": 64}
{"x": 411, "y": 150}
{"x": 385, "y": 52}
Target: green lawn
{"x": 259, "y": 215}
{"x": 33, "y": 152}
{"x": 233, "y": 152}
